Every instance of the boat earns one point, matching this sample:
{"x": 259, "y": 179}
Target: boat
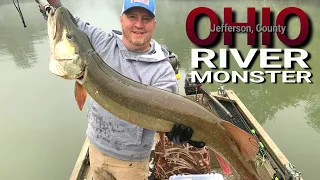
{"x": 271, "y": 163}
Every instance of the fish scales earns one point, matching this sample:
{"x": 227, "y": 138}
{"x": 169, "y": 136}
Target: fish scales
{"x": 140, "y": 104}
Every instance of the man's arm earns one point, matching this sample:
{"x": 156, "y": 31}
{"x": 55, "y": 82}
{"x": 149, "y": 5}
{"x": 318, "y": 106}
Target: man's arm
{"x": 180, "y": 134}
{"x": 97, "y": 36}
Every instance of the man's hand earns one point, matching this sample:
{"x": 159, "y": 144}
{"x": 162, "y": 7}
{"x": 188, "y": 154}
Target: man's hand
{"x": 181, "y": 134}
{"x": 54, "y": 3}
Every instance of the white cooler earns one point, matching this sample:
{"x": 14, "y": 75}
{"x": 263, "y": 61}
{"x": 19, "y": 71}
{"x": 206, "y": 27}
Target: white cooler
{"x": 214, "y": 176}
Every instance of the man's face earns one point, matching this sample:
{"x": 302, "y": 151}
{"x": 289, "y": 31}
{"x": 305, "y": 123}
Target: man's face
{"x": 137, "y": 25}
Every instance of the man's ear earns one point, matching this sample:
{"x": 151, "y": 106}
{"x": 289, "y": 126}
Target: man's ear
{"x": 121, "y": 18}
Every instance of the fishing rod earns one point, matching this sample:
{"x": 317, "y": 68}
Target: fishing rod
{"x": 44, "y": 3}
{"x": 20, "y": 12}
{"x": 290, "y": 173}
{"x": 195, "y": 88}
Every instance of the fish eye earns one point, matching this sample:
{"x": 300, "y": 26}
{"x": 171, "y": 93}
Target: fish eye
{"x": 69, "y": 36}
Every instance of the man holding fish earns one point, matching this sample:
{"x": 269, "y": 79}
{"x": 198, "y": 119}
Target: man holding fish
{"x": 120, "y": 150}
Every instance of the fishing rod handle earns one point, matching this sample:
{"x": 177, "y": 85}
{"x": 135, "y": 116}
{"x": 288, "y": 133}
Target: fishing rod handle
{"x": 43, "y": 3}
{"x": 46, "y": 5}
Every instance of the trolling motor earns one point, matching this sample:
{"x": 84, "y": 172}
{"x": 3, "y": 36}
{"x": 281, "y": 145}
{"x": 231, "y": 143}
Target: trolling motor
{"x": 190, "y": 87}
{"x": 173, "y": 60}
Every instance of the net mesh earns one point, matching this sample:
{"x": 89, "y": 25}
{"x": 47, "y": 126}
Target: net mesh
{"x": 180, "y": 159}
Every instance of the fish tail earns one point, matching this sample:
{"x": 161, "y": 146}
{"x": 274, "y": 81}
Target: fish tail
{"x": 246, "y": 142}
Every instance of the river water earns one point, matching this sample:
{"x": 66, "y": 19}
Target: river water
{"x": 42, "y": 131}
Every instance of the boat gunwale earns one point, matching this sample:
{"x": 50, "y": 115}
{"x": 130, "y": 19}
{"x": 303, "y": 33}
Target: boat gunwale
{"x": 263, "y": 136}
{"x": 82, "y": 161}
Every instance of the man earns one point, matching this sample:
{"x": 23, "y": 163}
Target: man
{"x": 120, "y": 150}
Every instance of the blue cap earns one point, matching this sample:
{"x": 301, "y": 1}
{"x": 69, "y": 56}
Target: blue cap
{"x": 150, "y": 5}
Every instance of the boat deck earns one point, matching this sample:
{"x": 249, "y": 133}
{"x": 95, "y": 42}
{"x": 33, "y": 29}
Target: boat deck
{"x": 241, "y": 117}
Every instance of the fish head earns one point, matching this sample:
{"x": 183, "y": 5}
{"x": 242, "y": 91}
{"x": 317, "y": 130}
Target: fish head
{"x": 66, "y": 45}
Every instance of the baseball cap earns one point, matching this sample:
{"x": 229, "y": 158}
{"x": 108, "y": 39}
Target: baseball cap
{"x": 150, "y": 5}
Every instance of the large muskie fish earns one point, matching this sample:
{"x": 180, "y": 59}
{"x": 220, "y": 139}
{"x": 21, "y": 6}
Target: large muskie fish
{"x": 73, "y": 57}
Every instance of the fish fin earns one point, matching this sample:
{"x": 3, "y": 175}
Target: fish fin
{"x": 163, "y": 142}
{"x": 80, "y": 94}
{"x": 247, "y": 143}
{"x": 225, "y": 167}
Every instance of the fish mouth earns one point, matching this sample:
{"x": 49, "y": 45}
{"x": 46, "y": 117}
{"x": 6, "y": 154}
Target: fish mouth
{"x": 56, "y": 22}
{"x": 52, "y": 21}
{"x": 67, "y": 69}
{"x": 53, "y": 12}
